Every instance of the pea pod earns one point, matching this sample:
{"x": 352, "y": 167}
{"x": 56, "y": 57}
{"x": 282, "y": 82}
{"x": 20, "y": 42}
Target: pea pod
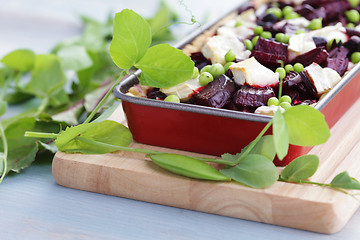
{"x": 188, "y": 167}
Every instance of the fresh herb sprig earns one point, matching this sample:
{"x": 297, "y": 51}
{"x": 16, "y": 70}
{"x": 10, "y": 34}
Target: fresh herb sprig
{"x": 253, "y": 166}
{"x": 66, "y": 84}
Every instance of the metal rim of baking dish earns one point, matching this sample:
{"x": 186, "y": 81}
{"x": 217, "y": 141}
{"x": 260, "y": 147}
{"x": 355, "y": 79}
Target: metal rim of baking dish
{"x": 125, "y": 84}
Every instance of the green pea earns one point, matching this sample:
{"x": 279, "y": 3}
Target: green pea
{"x": 205, "y": 69}
{"x": 273, "y": 101}
{"x": 315, "y": 24}
{"x": 350, "y": 25}
{"x": 254, "y": 40}
{"x": 287, "y": 10}
{"x": 291, "y": 15}
{"x": 279, "y": 37}
{"x": 195, "y": 73}
{"x": 299, "y": 31}
{"x": 188, "y": 167}
{"x": 205, "y": 78}
{"x": 227, "y": 66}
{"x": 298, "y": 67}
{"x": 353, "y": 3}
{"x": 352, "y": 15}
{"x": 238, "y": 24}
{"x": 289, "y": 68}
{"x": 248, "y": 44}
{"x": 172, "y": 98}
{"x": 275, "y": 11}
{"x": 266, "y": 34}
{"x": 258, "y": 30}
{"x": 355, "y": 57}
{"x": 286, "y": 39}
{"x": 281, "y": 71}
{"x": 216, "y": 70}
{"x": 285, "y": 105}
{"x": 285, "y": 98}
{"x": 230, "y": 56}
{"x": 3, "y": 107}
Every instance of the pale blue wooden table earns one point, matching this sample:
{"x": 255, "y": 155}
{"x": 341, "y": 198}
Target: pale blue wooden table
{"x": 33, "y": 206}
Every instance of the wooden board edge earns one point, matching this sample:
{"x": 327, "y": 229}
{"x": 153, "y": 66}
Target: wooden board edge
{"x": 324, "y": 217}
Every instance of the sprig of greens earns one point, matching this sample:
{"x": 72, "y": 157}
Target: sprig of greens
{"x": 61, "y": 88}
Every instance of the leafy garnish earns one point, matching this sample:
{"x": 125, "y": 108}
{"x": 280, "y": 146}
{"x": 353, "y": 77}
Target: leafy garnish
{"x": 75, "y": 58}
{"x": 131, "y": 38}
{"x": 306, "y": 125}
{"x": 22, "y": 60}
{"x": 255, "y": 171}
{"x": 108, "y": 131}
{"x": 281, "y": 136}
{"x": 343, "y": 180}
{"x": 300, "y": 168}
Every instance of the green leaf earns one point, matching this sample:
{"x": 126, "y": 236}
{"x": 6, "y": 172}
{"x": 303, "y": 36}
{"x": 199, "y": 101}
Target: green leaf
{"x": 187, "y": 166}
{"x": 280, "y": 135}
{"x": 107, "y": 113}
{"x": 306, "y": 125}
{"x": 255, "y": 171}
{"x": 165, "y": 66}
{"x": 75, "y": 58}
{"x": 343, "y": 180}
{"x": 22, "y": 150}
{"x": 85, "y": 75}
{"x": 300, "y": 168}
{"x": 131, "y": 38}
{"x": 69, "y": 116}
{"x": 108, "y": 131}
{"x": 47, "y": 77}
{"x": 265, "y": 146}
{"x": 3, "y": 107}
{"x": 22, "y": 60}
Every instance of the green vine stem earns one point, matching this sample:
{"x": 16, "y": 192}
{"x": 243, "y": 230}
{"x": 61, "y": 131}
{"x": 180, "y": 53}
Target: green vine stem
{"x": 92, "y": 114}
{"x": 42, "y": 106}
{"x": 41, "y": 135}
{"x": 5, "y": 146}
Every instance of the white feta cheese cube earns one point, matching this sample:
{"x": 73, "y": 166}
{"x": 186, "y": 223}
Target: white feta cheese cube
{"x": 300, "y": 44}
{"x": 216, "y": 47}
{"x": 183, "y": 90}
{"x": 268, "y": 110}
{"x": 241, "y": 32}
{"x": 323, "y": 79}
{"x": 331, "y": 32}
{"x": 253, "y": 73}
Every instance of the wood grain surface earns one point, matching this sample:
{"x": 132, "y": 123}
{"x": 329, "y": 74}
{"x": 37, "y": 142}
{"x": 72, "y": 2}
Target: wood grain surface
{"x": 306, "y": 207}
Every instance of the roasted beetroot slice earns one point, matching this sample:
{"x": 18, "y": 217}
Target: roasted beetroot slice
{"x": 339, "y": 52}
{"x": 291, "y": 79}
{"x": 217, "y": 93}
{"x": 306, "y": 88}
{"x": 334, "y": 9}
{"x": 252, "y": 97}
{"x": 199, "y": 60}
{"x": 269, "y": 52}
{"x": 309, "y": 12}
{"x": 338, "y": 64}
{"x": 353, "y": 45}
{"x": 155, "y": 93}
{"x": 320, "y": 42}
{"x": 317, "y": 55}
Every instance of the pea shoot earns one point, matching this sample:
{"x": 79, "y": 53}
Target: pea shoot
{"x": 281, "y": 71}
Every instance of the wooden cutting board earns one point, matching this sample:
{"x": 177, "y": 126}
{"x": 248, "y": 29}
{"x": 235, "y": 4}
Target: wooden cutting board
{"x": 307, "y": 207}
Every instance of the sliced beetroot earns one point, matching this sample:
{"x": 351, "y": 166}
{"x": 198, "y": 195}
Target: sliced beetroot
{"x": 269, "y": 52}
{"x": 306, "y": 88}
{"x": 317, "y": 55}
{"x": 291, "y": 79}
{"x": 339, "y": 52}
{"x": 320, "y": 42}
{"x": 334, "y": 9}
{"x": 338, "y": 64}
{"x": 155, "y": 93}
{"x": 251, "y": 97}
{"x": 309, "y": 12}
{"x": 199, "y": 60}
{"x": 353, "y": 44}
{"x": 217, "y": 93}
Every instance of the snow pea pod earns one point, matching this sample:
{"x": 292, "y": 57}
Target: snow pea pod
{"x": 188, "y": 167}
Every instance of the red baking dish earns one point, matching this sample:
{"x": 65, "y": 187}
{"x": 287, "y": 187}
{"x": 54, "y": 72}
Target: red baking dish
{"x": 217, "y": 131}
